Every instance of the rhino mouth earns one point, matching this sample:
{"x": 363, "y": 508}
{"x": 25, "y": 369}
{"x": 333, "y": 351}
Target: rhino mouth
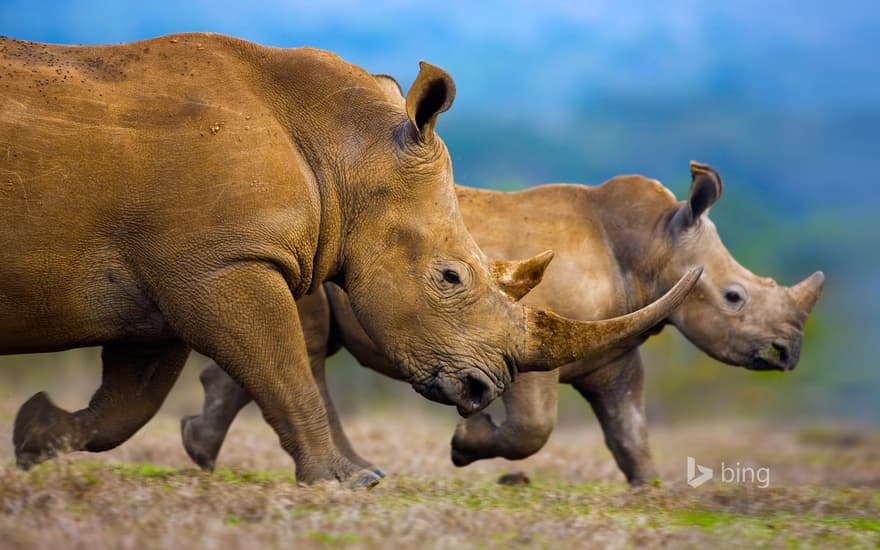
{"x": 775, "y": 357}
{"x": 764, "y": 364}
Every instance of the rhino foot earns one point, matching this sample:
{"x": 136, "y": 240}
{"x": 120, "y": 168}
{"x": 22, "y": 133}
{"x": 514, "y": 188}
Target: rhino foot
{"x": 42, "y": 431}
{"x": 473, "y": 439}
{"x": 199, "y": 443}
{"x": 365, "y": 479}
{"x": 339, "y": 469}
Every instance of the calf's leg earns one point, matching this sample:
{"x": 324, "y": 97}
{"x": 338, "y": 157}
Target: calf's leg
{"x": 531, "y": 410}
{"x": 620, "y": 407}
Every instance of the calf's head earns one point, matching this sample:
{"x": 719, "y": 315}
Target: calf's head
{"x": 424, "y": 291}
{"x": 734, "y": 315}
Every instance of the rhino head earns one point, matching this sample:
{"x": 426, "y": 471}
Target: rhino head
{"x": 425, "y": 292}
{"x": 733, "y": 315}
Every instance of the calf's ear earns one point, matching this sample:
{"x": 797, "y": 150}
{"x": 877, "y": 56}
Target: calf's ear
{"x": 706, "y": 187}
{"x": 517, "y": 278}
{"x": 431, "y": 94}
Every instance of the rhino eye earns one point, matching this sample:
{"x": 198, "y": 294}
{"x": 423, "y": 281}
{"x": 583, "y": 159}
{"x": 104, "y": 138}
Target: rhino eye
{"x": 451, "y": 277}
{"x": 733, "y": 296}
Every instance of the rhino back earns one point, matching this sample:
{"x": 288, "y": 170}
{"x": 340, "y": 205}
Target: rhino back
{"x": 582, "y": 281}
{"x": 122, "y": 166}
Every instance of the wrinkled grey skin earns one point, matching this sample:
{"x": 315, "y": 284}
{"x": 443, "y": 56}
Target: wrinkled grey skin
{"x": 624, "y": 239}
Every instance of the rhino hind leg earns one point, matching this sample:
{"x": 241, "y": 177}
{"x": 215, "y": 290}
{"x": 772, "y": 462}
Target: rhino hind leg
{"x": 619, "y": 406}
{"x": 42, "y": 431}
{"x": 203, "y": 434}
{"x": 134, "y": 384}
{"x": 531, "y": 410}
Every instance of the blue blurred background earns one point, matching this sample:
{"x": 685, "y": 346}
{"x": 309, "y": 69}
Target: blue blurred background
{"x": 783, "y": 98}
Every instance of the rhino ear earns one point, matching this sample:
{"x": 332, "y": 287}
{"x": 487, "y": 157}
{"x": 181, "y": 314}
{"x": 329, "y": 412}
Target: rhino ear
{"x": 390, "y": 87}
{"x": 431, "y": 94}
{"x": 516, "y": 279}
{"x": 706, "y": 187}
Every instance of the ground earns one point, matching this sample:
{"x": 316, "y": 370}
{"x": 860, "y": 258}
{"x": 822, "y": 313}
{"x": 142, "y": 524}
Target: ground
{"x": 824, "y": 491}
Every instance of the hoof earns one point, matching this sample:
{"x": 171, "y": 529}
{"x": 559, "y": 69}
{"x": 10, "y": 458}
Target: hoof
{"x": 36, "y": 431}
{"x": 365, "y": 479}
{"x": 515, "y": 479}
{"x": 640, "y": 484}
{"x": 191, "y": 436}
{"x": 460, "y": 458}
{"x": 473, "y": 439}
{"x": 378, "y": 471}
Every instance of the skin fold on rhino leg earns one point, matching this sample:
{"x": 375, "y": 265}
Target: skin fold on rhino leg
{"x": 530, "y": 407}
{"x": 620, "y": 407}
{"x": 135, "y": 381}
{"x": 265, "y": 352}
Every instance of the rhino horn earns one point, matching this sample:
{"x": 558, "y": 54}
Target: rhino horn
{"x": 518, "y": 278}
{"x": 807, "y": 292}
{"x": 552, "y": 341}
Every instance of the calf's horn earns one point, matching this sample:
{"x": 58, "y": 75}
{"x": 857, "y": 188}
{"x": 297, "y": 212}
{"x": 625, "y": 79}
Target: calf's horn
{"x": 807, "y": 292}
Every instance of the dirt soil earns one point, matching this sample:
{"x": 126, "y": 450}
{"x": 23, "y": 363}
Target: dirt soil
{"x": 824, "y": 491}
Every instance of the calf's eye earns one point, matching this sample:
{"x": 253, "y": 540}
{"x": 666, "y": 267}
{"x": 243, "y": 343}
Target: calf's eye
{"x": 733, "y": 296}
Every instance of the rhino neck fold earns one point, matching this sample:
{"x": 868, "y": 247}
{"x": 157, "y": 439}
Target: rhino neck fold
{"x": 334, "y": 115}
{"x": 636, "y": 238}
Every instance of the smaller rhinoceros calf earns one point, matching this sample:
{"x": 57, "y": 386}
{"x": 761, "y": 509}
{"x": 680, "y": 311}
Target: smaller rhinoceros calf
{"x": 625, "y": 238}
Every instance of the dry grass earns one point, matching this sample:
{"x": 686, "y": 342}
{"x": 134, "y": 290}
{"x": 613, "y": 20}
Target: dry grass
{"x": 825, "y": 492}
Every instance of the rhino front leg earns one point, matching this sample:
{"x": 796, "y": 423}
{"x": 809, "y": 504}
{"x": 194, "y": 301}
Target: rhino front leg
{"x": 257, "y": 338}
{"x": 620, "y": 407}
{"x": 336, "y": 429}
{"x": 135, "y": 381}
{"x": 531, "y": 410}
{"x": 203, "y": 434}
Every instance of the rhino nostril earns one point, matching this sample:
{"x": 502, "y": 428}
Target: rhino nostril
{"x": 780, "y": 351}
{"x": 476, "y": 392}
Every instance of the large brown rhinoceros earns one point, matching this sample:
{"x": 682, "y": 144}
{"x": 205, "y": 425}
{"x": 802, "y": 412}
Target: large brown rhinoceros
{"x": 180, "y": 193}
{"x": 618, "y": 245}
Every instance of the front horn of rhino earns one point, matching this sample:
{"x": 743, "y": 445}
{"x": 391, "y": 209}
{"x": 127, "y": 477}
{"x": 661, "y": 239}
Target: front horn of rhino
{"x": 552, "y": 341}
{"x": 806, "y": 293}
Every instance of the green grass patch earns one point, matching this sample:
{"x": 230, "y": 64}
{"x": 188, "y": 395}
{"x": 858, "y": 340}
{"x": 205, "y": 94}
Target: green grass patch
{"x": 335, "y": 539}
{"x": 246, "y": 476}
{"x": 147, "y": 471}
{"x": 856, "y": 524}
